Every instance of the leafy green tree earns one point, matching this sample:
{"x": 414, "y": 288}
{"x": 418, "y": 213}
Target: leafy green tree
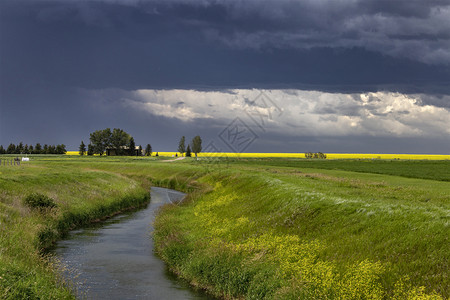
{"x": 51, "y": 149}
{"x": 44, "y": 149}
{"x": 82, "y": 148}
{"x": 100, "y": 140}
{"x": 118, "y": 140}
{"x": 188, "y": 151}
{"x": 197, "y": 145}
{"x": 182, "y": 145}
{"x": 60, "y": 149}
{"x": 11, "y": 149}
{"x": 30, "y": 149}
{"x": 131, "y": 147}
{"x": 148, "y": 150}
{"x": 19, "y": 148}
{"x": 140, "y": 150}
{"x": 14, "y": 149}
{"x": 2, "y": 150}
{"x": 38, "y": 149}
{"x": 90, "y": 150}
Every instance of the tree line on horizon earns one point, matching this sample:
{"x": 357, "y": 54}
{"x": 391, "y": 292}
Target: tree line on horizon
{"x": 101, "y": 141}
{"x": 121, "y": 143}
{"x": 30, "y": 149}
{"x": 194, "y": 147}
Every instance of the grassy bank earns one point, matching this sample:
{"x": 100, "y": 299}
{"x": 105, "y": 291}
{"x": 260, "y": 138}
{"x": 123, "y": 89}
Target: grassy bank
{"x": 268, "y": 231}
{"x": 81, "y": 195}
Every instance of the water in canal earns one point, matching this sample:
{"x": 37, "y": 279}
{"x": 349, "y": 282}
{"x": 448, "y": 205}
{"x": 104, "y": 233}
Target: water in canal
{"x": 115, "y": 259}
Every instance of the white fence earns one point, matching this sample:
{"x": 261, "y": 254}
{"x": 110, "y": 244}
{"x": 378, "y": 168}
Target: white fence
{"x": 12, "y": 161}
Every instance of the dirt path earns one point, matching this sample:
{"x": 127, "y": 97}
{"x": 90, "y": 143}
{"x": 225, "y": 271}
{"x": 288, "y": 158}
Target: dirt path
{"x": 171, "y": 160}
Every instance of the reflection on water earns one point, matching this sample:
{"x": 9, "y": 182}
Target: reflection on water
{"x": 115, "y": 260}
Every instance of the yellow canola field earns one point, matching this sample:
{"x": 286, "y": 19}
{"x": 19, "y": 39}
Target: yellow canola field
{"x": 302, "y": 155}
{"x": 329, "y": 155}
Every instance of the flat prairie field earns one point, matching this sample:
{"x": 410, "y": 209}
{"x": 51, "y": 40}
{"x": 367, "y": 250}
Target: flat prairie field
{"x": 251, "y": 227}
{"x": 302, "y": 155}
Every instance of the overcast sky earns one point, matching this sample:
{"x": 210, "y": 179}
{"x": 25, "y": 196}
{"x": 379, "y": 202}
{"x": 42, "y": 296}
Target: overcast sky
{"x": 248, "y": 76}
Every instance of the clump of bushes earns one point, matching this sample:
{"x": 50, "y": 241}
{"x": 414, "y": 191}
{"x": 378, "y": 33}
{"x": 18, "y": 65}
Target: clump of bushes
{"x": 319, "y": 155}
{"x": 36, "y": 200}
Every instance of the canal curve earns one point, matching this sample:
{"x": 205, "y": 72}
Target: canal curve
{"x": 115, "y": 260}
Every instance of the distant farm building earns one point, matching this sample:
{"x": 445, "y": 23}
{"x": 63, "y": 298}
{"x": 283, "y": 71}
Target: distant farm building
{"x": 124, "y": 150}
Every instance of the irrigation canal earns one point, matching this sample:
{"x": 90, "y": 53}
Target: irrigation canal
{"x": 115, "y": 259}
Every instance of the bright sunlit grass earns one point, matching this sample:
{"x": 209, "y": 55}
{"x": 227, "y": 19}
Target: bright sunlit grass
{"x": 298, "y": 233}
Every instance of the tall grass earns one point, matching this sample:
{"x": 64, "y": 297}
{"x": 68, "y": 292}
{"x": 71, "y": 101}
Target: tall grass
{"x": 302, "y": 233}
{"x": 81, "y": 195}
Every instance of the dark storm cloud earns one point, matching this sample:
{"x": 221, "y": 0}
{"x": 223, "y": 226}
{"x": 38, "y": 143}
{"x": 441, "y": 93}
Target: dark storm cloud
{"x": 436, "y": 100}
{"x": 323, "y": 45}
{"x": 414, "y": 29}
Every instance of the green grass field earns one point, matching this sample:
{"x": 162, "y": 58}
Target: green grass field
{"x": 250, "y": 228}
